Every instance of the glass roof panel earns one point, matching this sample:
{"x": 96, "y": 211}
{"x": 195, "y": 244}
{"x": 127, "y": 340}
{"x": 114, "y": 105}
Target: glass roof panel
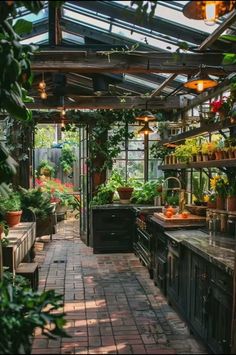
{"x": 86, "y": 19}
{"x": 42, "y": 38}
{"x": 72, "y": 38}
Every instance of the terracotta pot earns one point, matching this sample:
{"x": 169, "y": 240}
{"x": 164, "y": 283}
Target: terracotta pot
{"x": 231, "y": 154}
{"x": 13, "y": 218}
{"x": 231, "y": 203}
{"x": 125, "y": 193}
{"x": 199, "y": 157}
{"x": 211, "y": 204}
{"x": 220, "y": 203}
{"x": 219, "y": 154}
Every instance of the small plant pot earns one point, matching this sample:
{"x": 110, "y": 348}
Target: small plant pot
{"x": 205, "y": 157}
{"x": 231, "y": 203}
{"x": 211, "y": 205}
{"x": 13, "y": 218}
{"x": 220, "y": 203}
{"x": 125, "y": 194}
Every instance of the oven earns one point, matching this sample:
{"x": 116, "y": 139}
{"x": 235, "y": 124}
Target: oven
{"x": 143, "y": 241}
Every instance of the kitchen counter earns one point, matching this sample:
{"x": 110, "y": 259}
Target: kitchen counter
{"x": 135, "y": 207}
{"x": 207, "y": 247}
{"x": 168, "y": 226}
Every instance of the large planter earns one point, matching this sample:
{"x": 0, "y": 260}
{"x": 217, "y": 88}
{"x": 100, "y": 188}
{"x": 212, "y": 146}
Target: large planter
{"x": 231, "y": 203}
{"x": 125, "y": 194}
{"x": 220, "y": 203}
{"x": 13, "y": 218}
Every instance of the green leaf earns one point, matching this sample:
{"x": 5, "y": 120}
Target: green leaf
{"x": 231, "y": 38}
{"x": 229, "y": 58}
{"x": 22, "y": 26}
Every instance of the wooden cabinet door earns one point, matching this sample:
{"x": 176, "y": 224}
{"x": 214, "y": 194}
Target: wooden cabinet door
{"x": 199, "y": 284}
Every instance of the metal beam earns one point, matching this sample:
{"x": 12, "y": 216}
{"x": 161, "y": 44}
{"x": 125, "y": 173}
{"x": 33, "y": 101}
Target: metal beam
{"x": 54, "y": 28}
{"x": 130, "y": 62}
{"x": 129, "y": 15}
{"x": 107, "y": 102}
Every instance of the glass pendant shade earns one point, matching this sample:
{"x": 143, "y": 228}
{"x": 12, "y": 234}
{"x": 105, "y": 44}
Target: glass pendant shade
{"x": 146, "y": 116}
{"x": 200, "y": 82}
{"x": 209, "y": 11}
{"x": 145, "y": 130}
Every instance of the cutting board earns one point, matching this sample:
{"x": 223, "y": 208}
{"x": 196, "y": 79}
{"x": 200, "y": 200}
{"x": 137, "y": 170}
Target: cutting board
{"x": 176, "y": 219}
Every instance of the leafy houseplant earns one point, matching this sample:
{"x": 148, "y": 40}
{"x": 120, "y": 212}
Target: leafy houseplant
{"x": 146, "y": 192}
{"x": 199, "y": 190}
{"x": 159, "y": 151}
{"x": 22, "y": 311}
{"x": 11, "y": 206}
{"x": 37, "y": 201}
{"x": 104, "y": 195}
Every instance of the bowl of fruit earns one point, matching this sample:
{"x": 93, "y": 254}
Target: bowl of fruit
{"x": 170, "y": 211}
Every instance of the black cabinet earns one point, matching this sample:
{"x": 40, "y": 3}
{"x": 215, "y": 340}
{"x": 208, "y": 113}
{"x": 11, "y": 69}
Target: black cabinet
{"x": 211, "y": 304}
{"x": 160, "y": 253}
{"x": 113, "y": 229}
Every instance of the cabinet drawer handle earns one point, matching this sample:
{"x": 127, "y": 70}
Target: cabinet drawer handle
{"x": 112, "y": 233}
{"x": 113, "y": 216}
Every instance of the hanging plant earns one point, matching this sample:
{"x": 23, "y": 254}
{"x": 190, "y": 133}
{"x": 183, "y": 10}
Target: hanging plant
{"x": 67, "y": 158}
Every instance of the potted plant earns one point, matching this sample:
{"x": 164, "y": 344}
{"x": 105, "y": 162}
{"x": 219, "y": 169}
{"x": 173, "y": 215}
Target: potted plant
{"x": 199, "y": 190}
{"x": 104, "y": 195}
{"x": 46, "y": 168}
{"x": 146, "y": 192}
{"x": 220, "y": 185}
{"x": 11, "y": 206}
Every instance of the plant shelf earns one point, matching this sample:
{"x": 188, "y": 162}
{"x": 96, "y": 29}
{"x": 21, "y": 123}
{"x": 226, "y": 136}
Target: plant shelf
{"x": 203, "y": 164}
{"x": 197, "y": 131}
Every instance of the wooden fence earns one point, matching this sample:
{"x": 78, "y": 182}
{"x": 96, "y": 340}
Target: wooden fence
{"x": 53, "y": 155}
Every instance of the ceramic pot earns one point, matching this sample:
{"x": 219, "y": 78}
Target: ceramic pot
{"x": 231, "y": 203}
{"x": 125, "y": 194}
{"x": 211, "y": 204}
{"x": 13, "y": 218}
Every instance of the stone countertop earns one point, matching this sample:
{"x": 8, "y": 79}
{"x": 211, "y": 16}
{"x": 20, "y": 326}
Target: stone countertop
{"x": 207, "y": 247}
{"x": 135, "y": 207}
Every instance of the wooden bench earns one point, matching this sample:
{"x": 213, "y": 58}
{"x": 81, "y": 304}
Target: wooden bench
{"x": 31, "y": 272}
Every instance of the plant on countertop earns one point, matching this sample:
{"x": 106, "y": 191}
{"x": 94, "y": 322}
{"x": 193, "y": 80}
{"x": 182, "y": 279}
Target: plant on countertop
{"x": 199, "y": 190}
{"x": 144, "y": 193}
{"x": 23, "y": 310}
{"x": 67, "y": 158}
{"x": 4, "y": 228}
{"x": 220, "y": 185}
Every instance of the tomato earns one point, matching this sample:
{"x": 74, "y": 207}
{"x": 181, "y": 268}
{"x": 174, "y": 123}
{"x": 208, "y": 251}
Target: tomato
{"x": 171, "y": 209}
{"x": 169, "y": 214}
{"x": 184, "y": 214}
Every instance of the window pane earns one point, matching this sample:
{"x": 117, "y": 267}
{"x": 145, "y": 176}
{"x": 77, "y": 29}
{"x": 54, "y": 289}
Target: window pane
{"x": 136, "y": 155}
{"x": 121, "y": 155}
{"x": 153, "y": 172}
{"x": 135, "y": 169}
{"x": 135, "y": 145}
{"x": 120, "y": 166}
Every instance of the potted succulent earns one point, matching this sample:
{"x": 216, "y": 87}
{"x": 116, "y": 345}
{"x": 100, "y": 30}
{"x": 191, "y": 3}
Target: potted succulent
{"x": 11, "y": 206}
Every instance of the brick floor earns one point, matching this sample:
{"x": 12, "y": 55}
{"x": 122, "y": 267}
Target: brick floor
{"x": 111, "y": 305}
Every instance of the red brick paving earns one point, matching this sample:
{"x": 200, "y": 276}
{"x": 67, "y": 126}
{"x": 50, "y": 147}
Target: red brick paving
{"x": 111, "y": 305}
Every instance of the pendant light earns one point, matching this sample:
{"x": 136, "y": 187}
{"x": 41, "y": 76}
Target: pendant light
{"x": 42, "y": 88}
{"x": 209, "y": 11}
{"x": 145, "y": 130}
{"x": 146, "y": 115}
{"x": 200, "y": 82}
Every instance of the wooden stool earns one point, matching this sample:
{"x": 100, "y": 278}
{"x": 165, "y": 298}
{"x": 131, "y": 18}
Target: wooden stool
{"x": 31, "y": 272}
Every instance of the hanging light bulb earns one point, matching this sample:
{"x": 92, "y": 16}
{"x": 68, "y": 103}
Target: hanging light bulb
{"x": 43, "y": 95}
{"x": 209, "y": 11}
{"x": 200, "y": 82}
{"x": 42, "y": 84}
{"x": 63, "y": 112}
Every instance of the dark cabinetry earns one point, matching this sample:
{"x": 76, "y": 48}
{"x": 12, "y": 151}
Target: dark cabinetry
{"x": 143, "y": 244}
{"x": 160, "y": 259}
{"x": 113, "y": 229}
{"x": 211, "y": 304}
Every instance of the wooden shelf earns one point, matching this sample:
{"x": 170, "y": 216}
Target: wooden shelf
{"x": 203, "y": 164}
{"x": 197, "y": 131}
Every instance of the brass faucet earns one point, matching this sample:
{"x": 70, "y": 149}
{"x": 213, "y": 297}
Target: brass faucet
{"x": 182, "y": 192}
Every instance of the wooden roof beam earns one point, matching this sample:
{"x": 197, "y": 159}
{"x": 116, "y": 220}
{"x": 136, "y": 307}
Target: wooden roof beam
{"x": 133, "y": 62}
{"x": 108, "y": 102}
